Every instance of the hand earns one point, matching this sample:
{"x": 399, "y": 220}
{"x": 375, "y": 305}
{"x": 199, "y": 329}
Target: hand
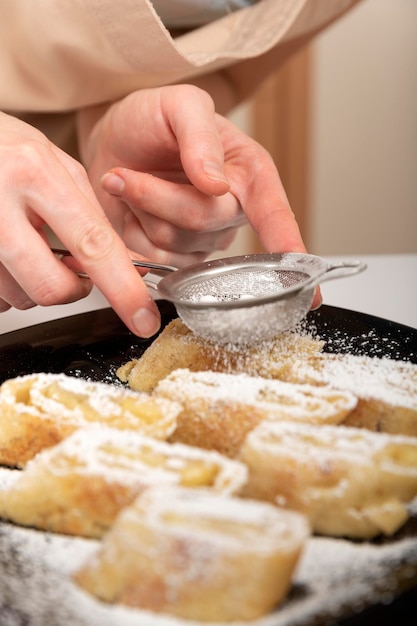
{"x": 41, "y": 185}
{"x": 183, "y": 179}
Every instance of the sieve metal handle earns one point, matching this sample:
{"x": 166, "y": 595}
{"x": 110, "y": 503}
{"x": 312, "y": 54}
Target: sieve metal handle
{"x": 338, "y": 270}
{"x": 156, "y": 267}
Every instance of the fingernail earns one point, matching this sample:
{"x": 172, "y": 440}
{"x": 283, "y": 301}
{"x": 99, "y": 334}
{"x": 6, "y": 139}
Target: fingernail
{"x": 113, "y": 183}
{"x": 146, "y": 322}
{"x": 214, "y": 172}
{"x": 316, "y": 305}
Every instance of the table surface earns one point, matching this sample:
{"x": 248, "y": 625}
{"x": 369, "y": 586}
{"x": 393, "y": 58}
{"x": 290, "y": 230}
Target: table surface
{"x": 387, "y": 289}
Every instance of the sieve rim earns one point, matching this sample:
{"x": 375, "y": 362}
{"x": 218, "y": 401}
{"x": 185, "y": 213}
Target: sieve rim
{"x": 311, "y": 265}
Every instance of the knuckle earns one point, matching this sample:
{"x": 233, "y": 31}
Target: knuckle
{"x": 50, "y": 291}
{"x": 95, "y": 242}
{"x": 197, "y": 222}
{"x": 24, "y": 304}
{"x": 199, "y": 219}
{"x": 54, "y": 289}
{"x": 74, "y": 167}
{"x": 27, "y": 161}
{"x": 163, "y": 236}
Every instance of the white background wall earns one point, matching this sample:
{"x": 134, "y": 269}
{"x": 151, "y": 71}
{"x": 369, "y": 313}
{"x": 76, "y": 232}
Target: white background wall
{"x": 364, "y": 132}
{"x": 363, "y": 144}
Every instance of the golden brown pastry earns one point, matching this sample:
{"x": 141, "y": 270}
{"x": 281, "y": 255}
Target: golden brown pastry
{"x": 178, "y": 347}
{"x": 78, "y": 486}
{"x": 218, "y": 410}
{"x": 39, "y": 410}
{"x": 386, "y": 389}
{"x": 347, "y": 481}
{"x": 197, "y": 555}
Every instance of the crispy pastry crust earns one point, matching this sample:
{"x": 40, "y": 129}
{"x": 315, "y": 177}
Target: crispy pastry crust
{"x": 80, "y": 485}
{"x": 197, "y": 555}
{"x": 218, "y": 410}
{"x": 177, "y": 347}
{"x": 38, "y": 411}
{"x": 348, "y": 481}
{"x": 386, "y": 389}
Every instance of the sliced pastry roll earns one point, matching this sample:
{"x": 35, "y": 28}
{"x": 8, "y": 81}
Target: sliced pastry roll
{"x": 197, "y": 555}
{"x": 177, "y": 347}
{"x": 39, "y": 410}
{"x": 348, "y": 481}
{"x": 218, "y": 410}
{"x": 78, "y": 486}
{"x": 386, "y": 389}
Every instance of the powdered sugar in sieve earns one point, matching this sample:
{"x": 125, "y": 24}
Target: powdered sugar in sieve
{"x": 240, "y": 285}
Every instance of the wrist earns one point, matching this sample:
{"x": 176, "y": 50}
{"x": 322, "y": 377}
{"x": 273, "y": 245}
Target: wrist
{"x": 89, "y": 122}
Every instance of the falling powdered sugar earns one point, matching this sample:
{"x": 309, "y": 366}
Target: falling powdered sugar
{"x": 335, "y": 577}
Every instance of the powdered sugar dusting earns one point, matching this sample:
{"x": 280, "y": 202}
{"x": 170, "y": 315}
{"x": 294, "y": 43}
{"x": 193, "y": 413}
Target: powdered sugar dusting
{"x": 130, "y": 457}
{"x": 275, "y": 398}
{"x": 228, "y": 519}
{"x": 8, "y": 477}
{"x": 360, "y": 445}
{"x": 264, "y": 359}
{"x": 394, "y": 382}
{"x": 374, "y": 344}
{"x": 334, "y": 575}
{"x": 77, "y": 402}
{"x": 239, "y": 285}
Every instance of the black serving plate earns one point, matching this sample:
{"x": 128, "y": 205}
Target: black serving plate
{"x": 93, "y": 345}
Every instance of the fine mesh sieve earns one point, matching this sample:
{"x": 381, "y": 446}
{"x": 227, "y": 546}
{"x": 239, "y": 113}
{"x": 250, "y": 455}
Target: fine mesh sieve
{"x": 244, "y": 299}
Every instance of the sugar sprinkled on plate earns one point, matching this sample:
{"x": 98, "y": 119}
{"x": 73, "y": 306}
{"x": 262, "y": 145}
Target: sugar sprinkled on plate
{"x": 334, "y": 575}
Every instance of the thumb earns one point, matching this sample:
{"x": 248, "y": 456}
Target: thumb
{"x": 201, "y": 150}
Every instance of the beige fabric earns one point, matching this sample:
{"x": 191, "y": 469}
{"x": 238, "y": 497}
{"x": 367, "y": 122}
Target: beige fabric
{"x": 60, "y": 56}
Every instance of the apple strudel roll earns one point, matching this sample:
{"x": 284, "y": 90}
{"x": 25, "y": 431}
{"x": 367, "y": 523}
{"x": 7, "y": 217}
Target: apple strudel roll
{"x": 386, "y": 389}
{"x": 218, "y": 410}
{"x": 348, "y": 481}
{"x": 79, "y": 486}
{"x": 39, "y": 410}
{"x": 197, "y": 555}
{"x": 177, "y": 347}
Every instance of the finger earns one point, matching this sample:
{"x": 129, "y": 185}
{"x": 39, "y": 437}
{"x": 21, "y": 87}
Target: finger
{"x": 78, "y": 175}
{"x": 28, "y": 261}
{"x": 173, "y": 247}
{"x": 268, "y": 210}
{"x": 317, "y": 300}
{"x": 11, "y": 293}
{"x": 266, "y": 205}
{"x": 30, "y": 274}
{"x": 182, "y": 205}
{"x": 79, "y": 222}
{"x": 4, "y": 306}
{"x": 278, "y": 230}
{"x": 199, "y": 141}
{"x": 104, "y": 257}
{"x": 164, "y": 236}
